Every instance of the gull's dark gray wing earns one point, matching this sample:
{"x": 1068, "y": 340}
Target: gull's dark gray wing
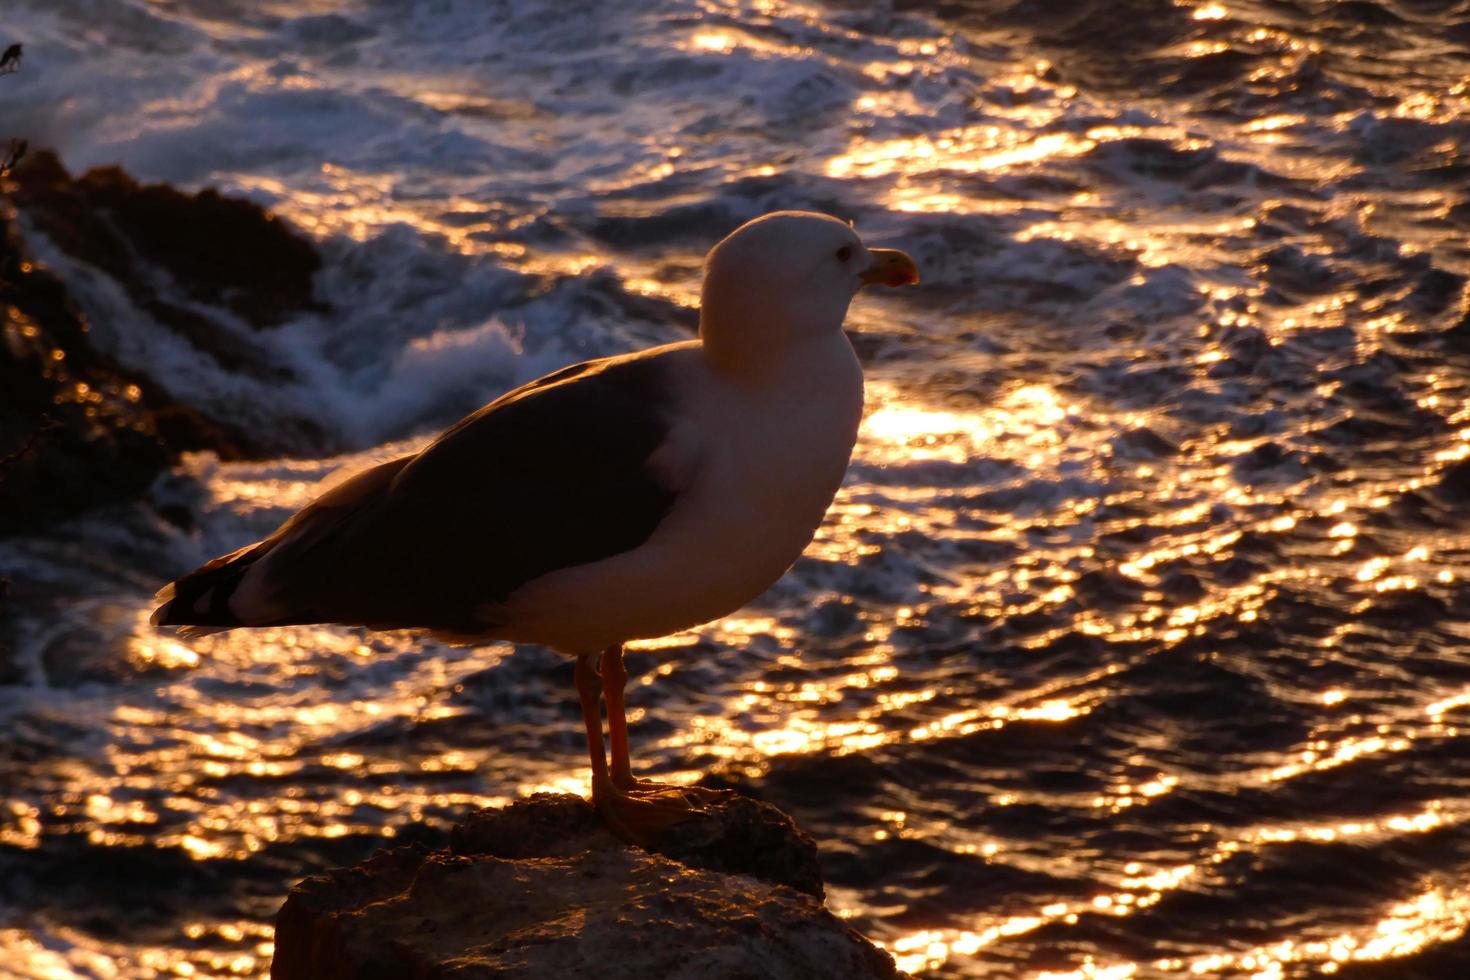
{"x": 551, "y": 475}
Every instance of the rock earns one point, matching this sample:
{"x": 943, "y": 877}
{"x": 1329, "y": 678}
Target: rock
{"x": 74, "y": 426}
{"x": 542, "y": 889}
{"x": 77, "y": 427}
{"x": 216, "y": 250}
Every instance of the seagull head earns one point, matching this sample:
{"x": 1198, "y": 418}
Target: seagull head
{"x": 785, "y": 277}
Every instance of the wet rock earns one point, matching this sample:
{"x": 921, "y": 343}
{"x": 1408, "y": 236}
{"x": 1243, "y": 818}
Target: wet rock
{"x": 77, "y": 426}
{"x": 540, "y": 889}
{"x": 216, "y": 250}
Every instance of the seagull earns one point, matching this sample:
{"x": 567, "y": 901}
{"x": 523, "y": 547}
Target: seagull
{"x": 623, "y": 498}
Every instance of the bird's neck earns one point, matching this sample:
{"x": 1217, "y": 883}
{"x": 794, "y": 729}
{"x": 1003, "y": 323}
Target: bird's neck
{"x": 806, "y": 364}
{"x": 757, "y": 349}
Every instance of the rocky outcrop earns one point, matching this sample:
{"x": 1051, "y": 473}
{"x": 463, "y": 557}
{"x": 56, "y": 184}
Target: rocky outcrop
{"x": 212, "y": 249}
{"x": 541, "y": 889}
{"x": 77, "y": 427}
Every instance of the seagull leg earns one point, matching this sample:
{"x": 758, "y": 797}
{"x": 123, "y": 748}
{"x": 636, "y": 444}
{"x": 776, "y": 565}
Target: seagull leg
{"x": 589, "y": 691}
{"x": 614, "y": 680}
{"x": 636, "y": 819}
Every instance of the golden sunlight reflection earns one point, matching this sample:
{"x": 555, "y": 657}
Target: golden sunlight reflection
{"x": 789, "y": 718}
{"x": 923, "y": 164}
{"x": 1154, "y": 245}
{"x": 719, "y": 41}
{"x": 1322, "y": 754}
{"x": 869, "y": 705}
{"x": 927, "y": 433}
{"x": 200, "y": 740}
{"x": 355, "y": 204}
{"x": 579, "y": 783}
{"x": 959, "y": 151}
{"x": 238, "y": 948}
{"x": 1020, "y": 423}
{"x": 724, "y": 41}
{"x": 1145, "y": 577}
{"x": 1437, "y": 914}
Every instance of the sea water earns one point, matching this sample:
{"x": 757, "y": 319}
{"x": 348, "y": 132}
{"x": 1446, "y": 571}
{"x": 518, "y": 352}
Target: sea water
{"x": 1135, "y": 644}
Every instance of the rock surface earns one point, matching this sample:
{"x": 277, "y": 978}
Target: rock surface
{"x": 215, "y": 250}
{"x": 77, "y": 427}
{"x": 541, "y": 889}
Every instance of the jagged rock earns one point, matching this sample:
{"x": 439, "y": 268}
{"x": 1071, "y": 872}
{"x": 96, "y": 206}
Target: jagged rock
{"x": 541, "y": 889}
{"x": 77, "y": 427}
{"x": 216, "y": 250}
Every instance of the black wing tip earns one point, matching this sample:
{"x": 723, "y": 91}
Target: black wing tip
{"x": 199, "y": 602}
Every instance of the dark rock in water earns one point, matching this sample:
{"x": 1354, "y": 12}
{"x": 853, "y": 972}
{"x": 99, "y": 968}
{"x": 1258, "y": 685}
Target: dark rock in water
{"x": 79, "y": 428}
{"x": 216, "y": 250}
{"x": 76, "y": 428}
{"x": 541, "y": 889}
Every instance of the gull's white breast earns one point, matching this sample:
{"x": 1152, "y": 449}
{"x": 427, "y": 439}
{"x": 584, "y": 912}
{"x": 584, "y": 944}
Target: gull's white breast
{"x": 759, "y": 464}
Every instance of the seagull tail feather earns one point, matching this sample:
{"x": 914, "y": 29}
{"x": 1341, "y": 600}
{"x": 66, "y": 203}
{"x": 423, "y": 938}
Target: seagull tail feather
{"x": 199, "y": 603}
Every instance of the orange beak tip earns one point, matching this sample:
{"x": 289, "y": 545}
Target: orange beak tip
{"x": 892, "y": 268}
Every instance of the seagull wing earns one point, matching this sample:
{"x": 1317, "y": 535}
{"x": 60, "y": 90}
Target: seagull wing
{"x": 554, "y": 474}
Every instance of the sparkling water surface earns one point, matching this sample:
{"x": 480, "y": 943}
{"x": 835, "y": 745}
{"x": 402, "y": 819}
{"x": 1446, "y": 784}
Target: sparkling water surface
{"x": 1135, "y": 644}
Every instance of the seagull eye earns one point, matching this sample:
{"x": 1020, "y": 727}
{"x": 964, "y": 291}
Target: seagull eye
{"x": 844, "y": 253}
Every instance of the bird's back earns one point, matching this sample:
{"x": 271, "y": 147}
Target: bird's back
{"x": 548, "y": 476}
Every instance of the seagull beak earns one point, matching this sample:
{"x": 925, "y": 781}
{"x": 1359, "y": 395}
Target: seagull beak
{"x": 890, "y": 268}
